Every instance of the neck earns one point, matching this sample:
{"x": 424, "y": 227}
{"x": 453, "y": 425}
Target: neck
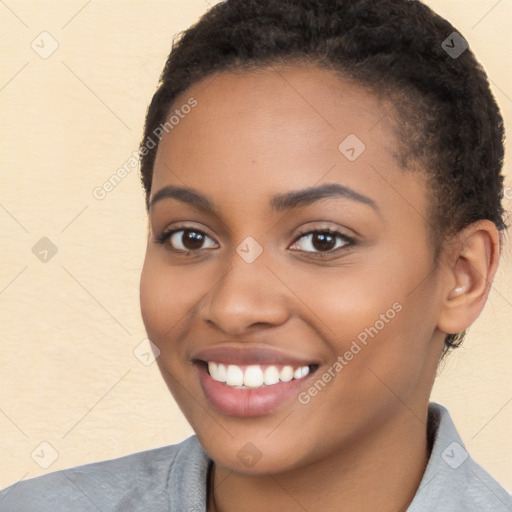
{"x": 381, "y": 470}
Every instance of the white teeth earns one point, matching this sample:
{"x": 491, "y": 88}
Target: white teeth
{"x": 221, "y": 373}
{"x": 253, "y": 376}
{"x": 212, "y": 369}
{"x": 271, "y": 375}
{"x": 286, "y": 374}
{"x": 217, "y": 371}
{"x": 234, "y": 376}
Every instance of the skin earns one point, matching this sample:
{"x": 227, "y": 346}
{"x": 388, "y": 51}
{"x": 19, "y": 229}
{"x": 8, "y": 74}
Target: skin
{"x": 361, "y": 441}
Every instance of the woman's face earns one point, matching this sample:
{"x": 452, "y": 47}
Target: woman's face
{"x": 305, "y": 246}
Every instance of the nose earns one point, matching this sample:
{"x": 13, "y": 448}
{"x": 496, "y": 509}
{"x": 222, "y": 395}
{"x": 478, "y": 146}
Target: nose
{"x": 247, "y": 295}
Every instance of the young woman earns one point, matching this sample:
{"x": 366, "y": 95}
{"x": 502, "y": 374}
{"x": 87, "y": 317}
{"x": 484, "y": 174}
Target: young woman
{"x": 323, "y": 185}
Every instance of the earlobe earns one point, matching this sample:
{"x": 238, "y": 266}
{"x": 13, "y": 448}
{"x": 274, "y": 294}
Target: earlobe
{"x": 469, "y": 276}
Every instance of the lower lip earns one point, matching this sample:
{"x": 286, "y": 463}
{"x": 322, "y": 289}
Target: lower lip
{"x": 248, "y": 402}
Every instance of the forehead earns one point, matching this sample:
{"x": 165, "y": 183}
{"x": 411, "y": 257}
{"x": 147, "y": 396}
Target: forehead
{"x": 296, "y": 104}
{"x": 254, "y": 133}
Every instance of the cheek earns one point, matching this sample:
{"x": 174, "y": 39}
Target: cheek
{"x": 171, "y": 297}
{"x": 167, "y": 298}
{"x": 372, "y": 320}
{"x": 345, "y": 301}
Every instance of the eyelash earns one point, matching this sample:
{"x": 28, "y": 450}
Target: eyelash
{"x": 348, "y": 241}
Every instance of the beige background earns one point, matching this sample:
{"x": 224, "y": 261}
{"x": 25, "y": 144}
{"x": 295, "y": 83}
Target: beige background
{"x": 69, "y": 326}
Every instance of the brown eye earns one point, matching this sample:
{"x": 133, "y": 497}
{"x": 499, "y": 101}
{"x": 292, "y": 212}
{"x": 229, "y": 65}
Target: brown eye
{"x": 186, "y": 240}
{"x": 192, "y": 240}
{"x": 323, "y": 241}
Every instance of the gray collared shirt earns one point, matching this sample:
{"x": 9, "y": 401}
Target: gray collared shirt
{"x": 174, "y": 478}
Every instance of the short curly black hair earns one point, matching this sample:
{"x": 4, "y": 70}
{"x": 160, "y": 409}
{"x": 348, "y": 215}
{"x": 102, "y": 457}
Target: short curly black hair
{"x": 448, "y": 124}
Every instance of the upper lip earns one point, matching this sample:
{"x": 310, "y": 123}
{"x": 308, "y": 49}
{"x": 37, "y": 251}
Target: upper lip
{"x": 248, "y": 355}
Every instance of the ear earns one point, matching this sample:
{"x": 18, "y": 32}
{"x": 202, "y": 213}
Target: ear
{"x": 471, "y": 264}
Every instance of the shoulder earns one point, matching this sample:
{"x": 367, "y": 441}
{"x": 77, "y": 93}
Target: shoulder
{"x": 132, "y": 482}
{"x": 453, "y": 481}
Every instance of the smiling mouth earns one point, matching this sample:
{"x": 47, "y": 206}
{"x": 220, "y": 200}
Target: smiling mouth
{"x": 255, "y": 376}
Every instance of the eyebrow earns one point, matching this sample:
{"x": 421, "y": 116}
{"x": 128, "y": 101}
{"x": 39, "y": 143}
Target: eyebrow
{"x": 279, "y": 202}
